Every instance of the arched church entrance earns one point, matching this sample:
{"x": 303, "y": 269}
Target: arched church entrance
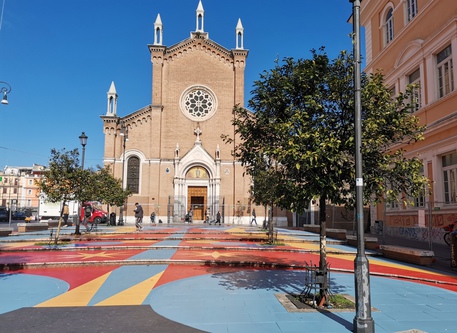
{"x": 197, "y": 200}
{"x": 197, "y": 180}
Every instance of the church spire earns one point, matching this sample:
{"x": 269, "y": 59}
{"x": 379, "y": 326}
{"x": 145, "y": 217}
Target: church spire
{"x": 239, "y": 30}
{"x": 112, "y": 100}
{"x": 158, "y": 31}
{"x": 200, "y": 17}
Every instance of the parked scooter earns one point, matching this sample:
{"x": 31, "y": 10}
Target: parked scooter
{"x": 448, "y": 234}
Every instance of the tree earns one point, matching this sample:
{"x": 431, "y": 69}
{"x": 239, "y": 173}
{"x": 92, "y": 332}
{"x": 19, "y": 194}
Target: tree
{"x": 65, "y": 180}
{"x": 109, "y": 189}
{"x": 302, "y": 121}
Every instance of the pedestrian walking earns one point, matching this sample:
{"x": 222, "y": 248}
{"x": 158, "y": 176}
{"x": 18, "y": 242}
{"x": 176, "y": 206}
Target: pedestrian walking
{"x": 138, "y": 217}
{"x": 254, "y": 216}
{"x": 218, "y": 218}
{"x": 153, "y": 217}
{"x": 87, "y": 215}
{"x": 190, "y": 214}
{"x": 65, "y": 213}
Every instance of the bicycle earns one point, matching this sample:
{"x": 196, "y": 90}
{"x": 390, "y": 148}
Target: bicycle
{"x": 448, "y": 234}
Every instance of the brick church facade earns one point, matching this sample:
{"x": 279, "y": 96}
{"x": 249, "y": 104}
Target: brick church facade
{"x": 174, "y": 158}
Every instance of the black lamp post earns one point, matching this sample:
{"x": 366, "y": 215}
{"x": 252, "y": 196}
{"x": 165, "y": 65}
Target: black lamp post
{"x": 83, "y": 141}
{"x": 125, "y": 137}
{"x": 5, "y": 88}
{"x": 363, "y": 322}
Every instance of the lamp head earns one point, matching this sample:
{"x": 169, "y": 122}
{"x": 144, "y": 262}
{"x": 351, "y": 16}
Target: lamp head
{"x": 83, "y": 139}
{"x": 5, "y": 99}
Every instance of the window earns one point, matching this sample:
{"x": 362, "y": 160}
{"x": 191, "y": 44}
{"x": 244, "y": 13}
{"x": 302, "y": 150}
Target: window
{"x": 29, "y": 203}
{"x": 419, "y": 201}
{"x": 198, "y": 103}
{"x": 445, "y": 68}
{"x": 391, "y": 204}
{"x": 449, "y": 165}
{"x": 133, "y": 174}
{"x": 29, "y": 192}
{"x": 30, "y": 182}
{"x": 389, "y": 26}
{"x": 411, "y": 9}
{"x": 415, "y": 100}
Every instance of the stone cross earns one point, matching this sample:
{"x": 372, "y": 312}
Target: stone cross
{"x": 197, "y": 132}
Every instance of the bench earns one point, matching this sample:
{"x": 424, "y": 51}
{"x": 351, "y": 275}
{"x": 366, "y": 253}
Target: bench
{"x": 371, "y": 243}
{"x": 5, "y": 231}
{"x": 407, "y": 254}
{"x": 55, "y": 223}
{"x": 24, "y": 227}
{"x": 312, "y": 228}
{"x": 339, "y": 234}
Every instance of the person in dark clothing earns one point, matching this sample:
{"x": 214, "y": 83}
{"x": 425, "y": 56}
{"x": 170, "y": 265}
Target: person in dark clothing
{"x": 153, "y": 217}
{"x": 138, "y": 217}
{"x": 254, "y": 217}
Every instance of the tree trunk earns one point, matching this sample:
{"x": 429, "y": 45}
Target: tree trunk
{"x": 323, "y": 282}
{"x": 270, "y": 225}
{"x": 56, "y": 240}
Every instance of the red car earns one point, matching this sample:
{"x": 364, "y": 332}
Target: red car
{"x": 93, "y": 213}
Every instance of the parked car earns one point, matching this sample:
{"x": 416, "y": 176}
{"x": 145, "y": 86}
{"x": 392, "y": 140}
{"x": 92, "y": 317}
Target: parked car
{"x": 18, "y": 215}
{"x": 4, "y": 214}
{"x": 94, "y": 213}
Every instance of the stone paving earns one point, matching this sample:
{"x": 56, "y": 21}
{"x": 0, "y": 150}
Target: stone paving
{"x": 191, "y": 278}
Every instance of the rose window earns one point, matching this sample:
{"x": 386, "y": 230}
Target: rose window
{"x": 198, "y": 103}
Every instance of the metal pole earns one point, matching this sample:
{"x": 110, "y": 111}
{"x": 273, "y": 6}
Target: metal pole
{"x": 363, "y": 322}
{"x": 83, "y": 141}
{"x": 168, "y": 209}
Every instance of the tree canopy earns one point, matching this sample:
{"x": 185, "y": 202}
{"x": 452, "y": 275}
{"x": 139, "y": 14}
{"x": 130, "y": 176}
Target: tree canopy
{"x": 297, "y": 139}
{"x": 64, "y": 181}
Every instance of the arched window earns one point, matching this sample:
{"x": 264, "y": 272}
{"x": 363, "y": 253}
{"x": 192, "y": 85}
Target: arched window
{"x": 158, "y": 37}
{"x": 389, "y": 26}
{"x": 133, "y": 174}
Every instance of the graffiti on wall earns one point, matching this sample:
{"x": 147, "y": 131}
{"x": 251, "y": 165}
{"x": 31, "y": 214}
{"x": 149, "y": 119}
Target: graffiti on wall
{"x": 420, "y": 234}
{"x": 439, "y": 219}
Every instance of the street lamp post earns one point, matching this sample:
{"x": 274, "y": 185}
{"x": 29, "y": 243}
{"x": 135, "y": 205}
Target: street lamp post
{"x": 363, "y": 322}
{"x": 83, "y": 140}
{"x": 5, "y": 88}
{"x": 125, "y": 137}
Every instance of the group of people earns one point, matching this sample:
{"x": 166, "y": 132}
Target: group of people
{"x": 139, "y": 216}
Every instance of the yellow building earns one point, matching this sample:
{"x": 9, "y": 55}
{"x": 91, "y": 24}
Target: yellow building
{"x": 175, "y": 159}
{"x": 415, "y": 41}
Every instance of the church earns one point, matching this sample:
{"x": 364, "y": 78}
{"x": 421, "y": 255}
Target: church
{"x": 170, "y": 153}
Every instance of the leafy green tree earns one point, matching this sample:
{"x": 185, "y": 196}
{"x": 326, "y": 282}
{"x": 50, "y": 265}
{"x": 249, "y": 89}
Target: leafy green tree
{"x": 108, "y": 189}
{"x": 302, "y": 121}
{"x": 65, "y": 180}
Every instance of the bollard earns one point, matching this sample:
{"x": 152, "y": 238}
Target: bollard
{"x": 453, "y": 251}
{"x": 112, "y": 219}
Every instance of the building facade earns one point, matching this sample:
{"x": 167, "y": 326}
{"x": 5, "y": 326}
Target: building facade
{"x": 170, "y": 153}
{"x": 415, "y": 42}
{"x": 18, "y": 189}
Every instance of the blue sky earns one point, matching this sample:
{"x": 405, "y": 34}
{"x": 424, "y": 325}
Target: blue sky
{"x": 60, "y": 57}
